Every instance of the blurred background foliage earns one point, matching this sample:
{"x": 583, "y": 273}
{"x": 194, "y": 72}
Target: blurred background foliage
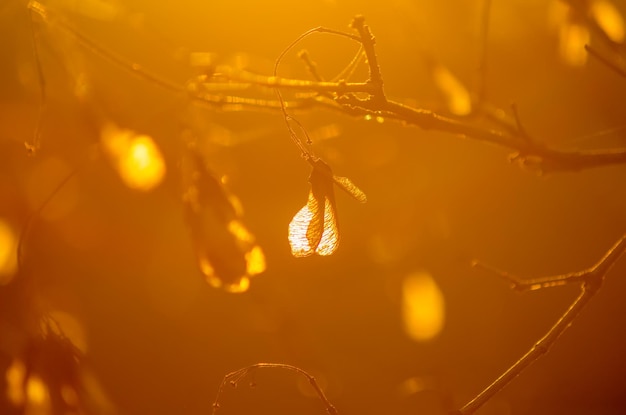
{"x": 395, "y": 321}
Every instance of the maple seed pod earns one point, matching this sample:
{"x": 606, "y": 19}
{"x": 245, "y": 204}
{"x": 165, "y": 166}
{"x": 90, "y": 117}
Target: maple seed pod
{"x": 314, "y": 228}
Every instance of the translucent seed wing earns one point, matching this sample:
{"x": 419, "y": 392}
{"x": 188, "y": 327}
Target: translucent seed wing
{"x": 306, "y": 228}
{"x": 330, "y": 237}
{"x": 347, "y": 186}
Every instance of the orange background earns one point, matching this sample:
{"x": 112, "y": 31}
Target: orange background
{"x": 159, "y": 339}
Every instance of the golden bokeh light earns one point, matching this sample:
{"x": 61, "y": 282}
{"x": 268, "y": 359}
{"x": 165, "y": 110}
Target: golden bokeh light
{"x": 37, "y": 393}
{"x": 8, "y": 252}
{"x": 457, "y": 96}
{"x": 572, "y": 40}
{"x": 14, "y": 377}
{"x": 136, "y": 158}
{"x": 423, "y": 307}
{"x": 608, "y": 18}
{"x": 255, "y": 261}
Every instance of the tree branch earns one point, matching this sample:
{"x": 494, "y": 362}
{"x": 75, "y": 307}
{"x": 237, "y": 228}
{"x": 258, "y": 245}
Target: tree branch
{"x": 235, "y": 377}
{"x": 590, "y": 282}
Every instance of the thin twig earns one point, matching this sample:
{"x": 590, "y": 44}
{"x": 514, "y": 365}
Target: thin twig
{"x": 607, "y": 62}
{"x": 41, "y": 111}
{"x": 274, "y": 81}
{"x": 134, "y": 68}
{"x": 529, "y": 154}
{"x": 310, "y": 65}
{"x": 235, "y": 377}
{"x": 590, "y": 282}
{"x": 348, "y": 71}
{"x": 368, "y": 41}
{"x": 520, "y": 284}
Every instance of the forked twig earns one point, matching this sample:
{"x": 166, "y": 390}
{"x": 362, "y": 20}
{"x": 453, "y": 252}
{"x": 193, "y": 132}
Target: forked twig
{"x": 233, "y": 378}
{"x": 590, "y": 282}
{"x": 532, "y": 154}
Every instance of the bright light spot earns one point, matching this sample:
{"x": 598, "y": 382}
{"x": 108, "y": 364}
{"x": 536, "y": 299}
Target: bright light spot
{"x": 368, "y": 117}
{"x": 298, "y": 226}
{"x": 15, "y": 382}
{"x": 255, "y": 261}
{"x": 136, "y": 158}
{"x": 423, "y": 307}
{"x": 37, "y": 393}
{"x": 457, "y": 96}
{"x": 380, "y": 119}
{"x": 209, "y": 272}
{"x": 8, "y": 252}
{"x": 308, "y": 224}
{"x": 65, "y": 324}
{"x": 609, "y": 19}
{"x": 239, "y": 287}
{"x": 240, "y": 232}
{"x": 572, "y": 40}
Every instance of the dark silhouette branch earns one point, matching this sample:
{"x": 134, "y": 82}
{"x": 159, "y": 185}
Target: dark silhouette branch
{"x": 340, "y": 96}
{"x": 590, "y": 281}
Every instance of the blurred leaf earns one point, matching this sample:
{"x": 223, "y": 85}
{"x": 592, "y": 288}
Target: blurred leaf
{"x": 48, "y": 377}
{"x": 227, "y": 253}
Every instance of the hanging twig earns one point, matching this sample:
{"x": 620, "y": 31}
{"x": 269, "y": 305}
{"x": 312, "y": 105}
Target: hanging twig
{"x": 235, "y": 377}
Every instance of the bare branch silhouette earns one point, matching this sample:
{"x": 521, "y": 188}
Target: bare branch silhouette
{"x": 590, "y": 281}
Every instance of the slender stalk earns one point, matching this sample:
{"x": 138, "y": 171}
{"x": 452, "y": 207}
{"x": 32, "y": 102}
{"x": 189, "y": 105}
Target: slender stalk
{"x": 592, "y": 279}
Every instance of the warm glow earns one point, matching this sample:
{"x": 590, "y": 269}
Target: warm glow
{"x": 240, "y": 232}
{"x": 240, "y": 286}
{"x": 572, "y": 40}
{"x": 136, "y": 158}
{"x": 8, "y": 252}
{"x": 609, "y": 19}
{"x": 255, "y": 261}
{"x": 14, "y": 376}
{"x": 457, "y": 96}
{"x": 422, "y": 307}
{"x": 313, "y": 230}
{"x": 37, "y": 393}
